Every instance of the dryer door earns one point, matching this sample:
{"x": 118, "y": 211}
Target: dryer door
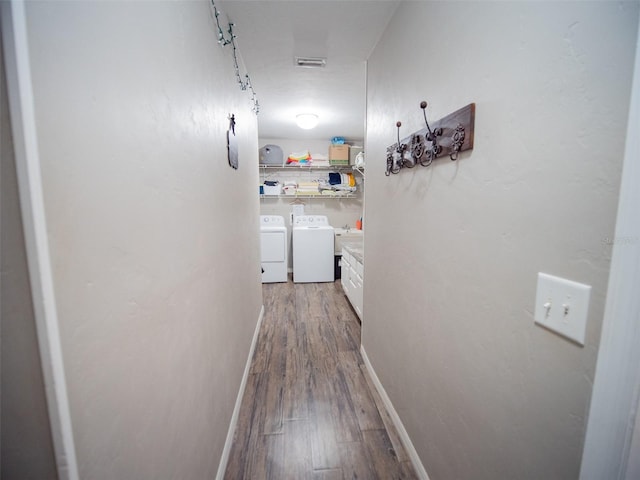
{"x": 272, "y": 247}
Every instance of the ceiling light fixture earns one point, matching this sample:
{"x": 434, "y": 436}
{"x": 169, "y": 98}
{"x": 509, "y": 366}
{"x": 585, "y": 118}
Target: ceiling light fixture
{"x": 307, "y": 121}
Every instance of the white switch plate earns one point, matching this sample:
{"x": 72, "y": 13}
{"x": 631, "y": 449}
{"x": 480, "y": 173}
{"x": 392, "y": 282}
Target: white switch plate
{"x": 562, "y": 306}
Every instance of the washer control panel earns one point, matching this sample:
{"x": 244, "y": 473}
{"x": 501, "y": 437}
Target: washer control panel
{"x": 310, "y": 220}
{"x": 271, "y": 220}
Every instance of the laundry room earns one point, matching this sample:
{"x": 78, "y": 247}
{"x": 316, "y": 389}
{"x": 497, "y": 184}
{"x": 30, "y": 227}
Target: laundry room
{"x": 301, "y": 177}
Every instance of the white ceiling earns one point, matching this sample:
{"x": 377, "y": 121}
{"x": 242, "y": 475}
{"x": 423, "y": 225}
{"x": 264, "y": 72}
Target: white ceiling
{"x": 271, "y": 33}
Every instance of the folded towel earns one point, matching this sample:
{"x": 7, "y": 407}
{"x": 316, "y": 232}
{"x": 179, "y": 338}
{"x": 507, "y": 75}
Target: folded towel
{"x": 303, "y": 158}
{"x": 338, "y": 189}
{"x": 308, "y": 188}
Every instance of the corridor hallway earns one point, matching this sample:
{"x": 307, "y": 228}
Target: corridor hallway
{"x": 310, "y": 410}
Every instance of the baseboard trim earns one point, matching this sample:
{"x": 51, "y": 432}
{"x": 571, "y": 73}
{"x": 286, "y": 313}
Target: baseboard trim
{"x": 224, "y": 459}
{"x": 395, "y": 418}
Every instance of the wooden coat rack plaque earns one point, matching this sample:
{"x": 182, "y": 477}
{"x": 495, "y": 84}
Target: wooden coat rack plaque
{"x": 446, "y": 137}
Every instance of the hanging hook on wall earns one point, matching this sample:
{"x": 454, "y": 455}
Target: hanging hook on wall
{"x": 457, "y": 139}
{"x": 394, "y": 155}
{"x": 417, "y": 150}
{"x": 432, "y": 137}
{"x": 389, "y": 163}
{"x": 407, "y": 156}
{"x": 397, "y": 163}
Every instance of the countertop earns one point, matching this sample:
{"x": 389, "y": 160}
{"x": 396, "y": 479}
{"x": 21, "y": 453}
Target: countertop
{"x": 355, "y": 247}
{"x": 343, "y": 235}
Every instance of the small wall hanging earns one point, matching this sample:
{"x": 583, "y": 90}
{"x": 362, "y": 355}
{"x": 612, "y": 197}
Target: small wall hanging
{"x": 232, "y": 143}
{"x": 448, "y": 136}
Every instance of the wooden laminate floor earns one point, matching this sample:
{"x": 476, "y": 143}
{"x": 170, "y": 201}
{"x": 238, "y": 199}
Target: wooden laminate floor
{"x": 310, "y": 410}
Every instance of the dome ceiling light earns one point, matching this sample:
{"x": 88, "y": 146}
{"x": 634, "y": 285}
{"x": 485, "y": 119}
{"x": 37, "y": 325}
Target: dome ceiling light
{"x": 307, "y": 121}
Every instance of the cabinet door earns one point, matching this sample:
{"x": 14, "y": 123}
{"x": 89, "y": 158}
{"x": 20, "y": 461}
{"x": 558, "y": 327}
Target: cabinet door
{"x": 358, "y": 296}
{"x": 353, "y": 284}
{"x": 359, "y": 268}
{"x": 345, "y": 273}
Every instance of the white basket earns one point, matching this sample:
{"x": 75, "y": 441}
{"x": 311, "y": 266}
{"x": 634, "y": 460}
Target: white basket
{"x": 273, "y": 189}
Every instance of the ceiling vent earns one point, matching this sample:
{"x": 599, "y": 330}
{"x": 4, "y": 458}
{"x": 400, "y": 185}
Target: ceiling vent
{"x": 310, "y": 62}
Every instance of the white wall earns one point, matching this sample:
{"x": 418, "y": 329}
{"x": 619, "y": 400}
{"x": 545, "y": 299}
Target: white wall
{"x": 452, "y": 251}
{"x": 153, "y": 237}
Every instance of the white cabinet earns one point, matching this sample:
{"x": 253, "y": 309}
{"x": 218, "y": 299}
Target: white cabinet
{"x": 352, "y": 273}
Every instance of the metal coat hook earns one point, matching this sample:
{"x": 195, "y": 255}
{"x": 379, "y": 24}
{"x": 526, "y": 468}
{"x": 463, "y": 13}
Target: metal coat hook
{"x": 389, "y": 163}
{"x": 457, "y": 139}
{"x": 395, "y": 155}
{"x": 432, "y": 137}
{"x": 417, "y": 149}
{"x": 400, "y": 149}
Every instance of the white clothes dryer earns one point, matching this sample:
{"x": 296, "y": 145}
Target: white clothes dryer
{"x": 312, "y": 241}
{"x": 273, "y": 248}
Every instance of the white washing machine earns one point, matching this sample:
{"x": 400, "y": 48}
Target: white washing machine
{"x": 312, "y": 243}
{"x": 273, "y": 248}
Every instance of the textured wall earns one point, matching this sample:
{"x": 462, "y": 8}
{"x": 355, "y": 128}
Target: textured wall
{"x": 452, "y": 251}
{"x": 25, "y": 436}
{"x": 153, "y": 236}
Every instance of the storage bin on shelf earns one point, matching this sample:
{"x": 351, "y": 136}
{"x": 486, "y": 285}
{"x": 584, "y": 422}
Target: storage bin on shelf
{"x": 272, "y": 189}
{"x": 339, "y": 154}
{"x": 271, "y": 155}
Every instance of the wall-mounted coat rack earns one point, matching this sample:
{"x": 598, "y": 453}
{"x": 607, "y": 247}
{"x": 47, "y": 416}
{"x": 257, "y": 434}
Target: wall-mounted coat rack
{"x": 447, "y": 137}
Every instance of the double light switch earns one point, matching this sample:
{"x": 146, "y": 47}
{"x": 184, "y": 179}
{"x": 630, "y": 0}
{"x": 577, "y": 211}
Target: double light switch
{"x": 562, "y": 306}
